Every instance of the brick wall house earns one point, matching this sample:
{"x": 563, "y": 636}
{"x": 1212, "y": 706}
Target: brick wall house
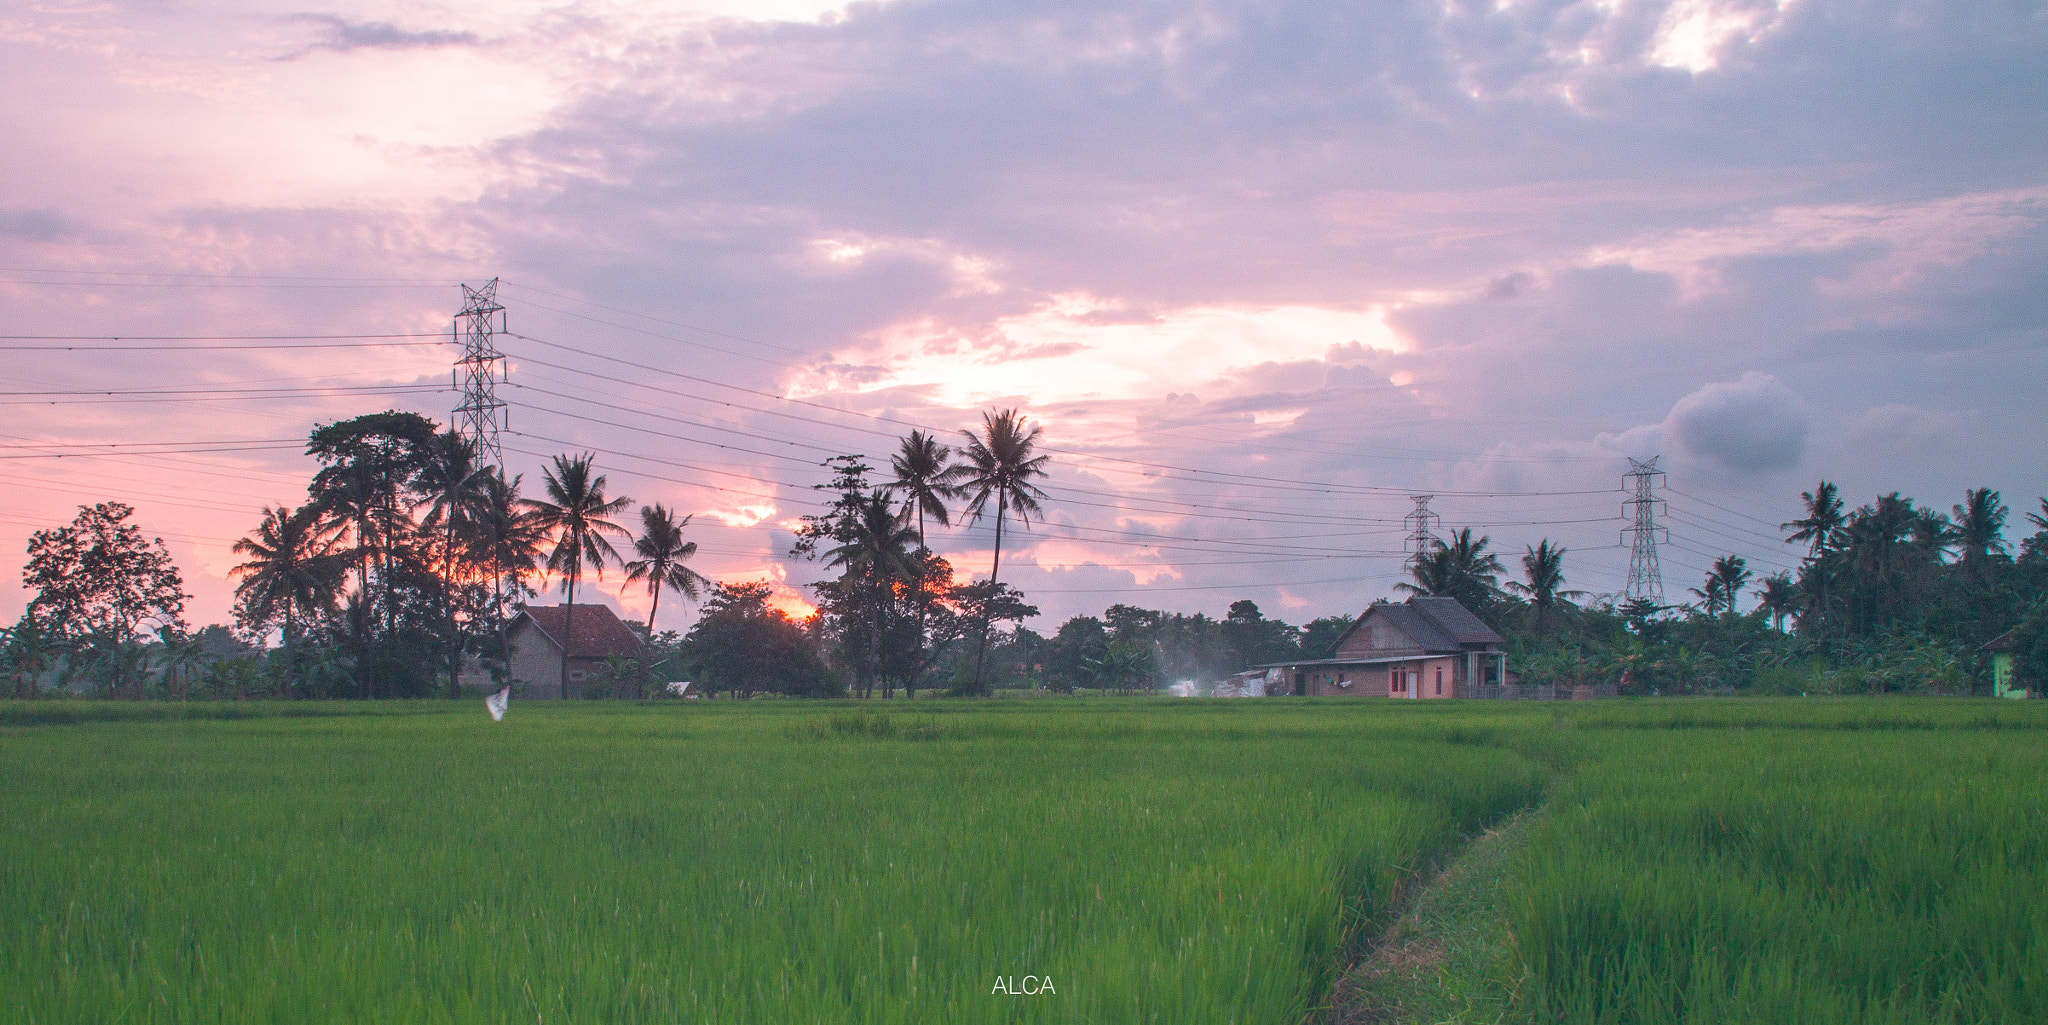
{"x": 533, "y": 647}
{"x": 1425, "y": 647}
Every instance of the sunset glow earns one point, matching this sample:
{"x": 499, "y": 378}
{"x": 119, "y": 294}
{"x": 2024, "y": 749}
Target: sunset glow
{"x": 1256, "y": 280}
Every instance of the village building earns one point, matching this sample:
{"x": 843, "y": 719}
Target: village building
{"x": 2001, "y": 649}
{"x": 534, "y": 641}
{"x": 1425, "y": 647}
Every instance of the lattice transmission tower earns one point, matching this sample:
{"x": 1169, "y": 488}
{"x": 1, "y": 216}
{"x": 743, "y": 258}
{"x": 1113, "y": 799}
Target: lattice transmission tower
{"x": 1422, "y": 526}
{"x": 481, "y": 416}
{"x": 1645, "y": 580}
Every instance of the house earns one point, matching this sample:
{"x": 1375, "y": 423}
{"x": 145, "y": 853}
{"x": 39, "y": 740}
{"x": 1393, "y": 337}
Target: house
{"x": 1425, "y": 647}
{"x": 2001, "y": 648}
{"x": 533, "y": 647}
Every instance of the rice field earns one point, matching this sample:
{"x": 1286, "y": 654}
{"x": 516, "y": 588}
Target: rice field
{"x": 1133, "y": 860}
{"x": 715, "y": 863}
{"x": 1779, "y": 875}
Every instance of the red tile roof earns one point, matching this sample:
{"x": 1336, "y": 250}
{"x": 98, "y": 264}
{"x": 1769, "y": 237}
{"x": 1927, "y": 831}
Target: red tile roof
{"x": 599, "y": 633}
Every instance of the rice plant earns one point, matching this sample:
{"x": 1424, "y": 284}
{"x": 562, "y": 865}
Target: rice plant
{"x": 718, "y": 863}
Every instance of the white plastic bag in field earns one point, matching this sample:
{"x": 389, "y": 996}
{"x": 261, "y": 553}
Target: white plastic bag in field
{"x": 497, "y": 703}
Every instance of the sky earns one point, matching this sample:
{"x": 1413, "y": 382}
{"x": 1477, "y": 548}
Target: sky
{"x": 1260, "y": 271}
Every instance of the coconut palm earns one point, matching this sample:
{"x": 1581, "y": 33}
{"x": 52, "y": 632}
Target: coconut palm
{"x": 662, "y": 553}
{"x": 1820, "y": 528}
{"x": 1711, "y": 594}
{"x": 1544, "y": 568}
{"x": 294, "y": 571}
{"x": 873, "y": 557}
{"x": 1462, "y": 569}
{"x": 1824, "y": 519}
{"x": 506, "y": 537}
{"x": 1980, "y": 528}
{"x": 576, "y": 513}
{"x": 1000, "y": 466}
{"x": 456, "y": 494}
{"x": 927, "y": 480}
{"x": 1734, "y": 575}
{"x": 1780, "y": 598}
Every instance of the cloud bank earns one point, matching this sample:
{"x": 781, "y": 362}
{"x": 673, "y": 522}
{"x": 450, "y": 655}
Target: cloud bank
{"x": 1262, "y": 270}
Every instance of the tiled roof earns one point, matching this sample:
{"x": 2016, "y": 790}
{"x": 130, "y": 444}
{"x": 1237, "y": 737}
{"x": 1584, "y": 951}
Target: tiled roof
{"x": 1432, "y": 625}
{"x": 1420, "y": 628}
{"x": 1455, "y": 620}
{"x": 599, "y": 633}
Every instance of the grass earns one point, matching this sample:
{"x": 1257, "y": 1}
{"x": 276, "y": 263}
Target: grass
{"x": 780, "y": 863}
{"x": 1779, "y": 874}
{"x": 1451, "y": 957}
{"x": 1162, "y": 861}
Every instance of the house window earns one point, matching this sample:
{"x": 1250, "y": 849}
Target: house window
{"x": 575, "y": 674}
{"x": 1439, "y": 681}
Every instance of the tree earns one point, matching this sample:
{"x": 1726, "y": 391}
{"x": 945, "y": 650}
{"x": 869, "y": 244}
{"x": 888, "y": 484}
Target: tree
{"x": 1124, "y": 665}
{"x": 294, "y": 572}
{"x": 1463, "y": 569}
{"x": 28, "y": 651}
{"x": 456, "y": 492}
{"x": 1980, "y": 529}
{"x": 984, "y": 603}
{"x": 1714, "y": 593}
{"x": 876, "y": 571}
{"x": 508, "y": 538}
{"x": 926, "y": 479}
{"x": 99, "y": 577}
{"x": 1253, "y": 638}
{"x": 1000, "y": 466}
{"x": 1319, "y": 637}
{"x": 1543, "y": 567}
{"x": 1818, "y": 528}
{"x": 367, "y": 465}
{"x": 577, "y": 514}
{"x": 1731, "y": 574}
{"x": 662, "y": 552}
{"x": 1778, "y": 598}
{"x": 183, "y": 657}
{"x": 742, "y": 644}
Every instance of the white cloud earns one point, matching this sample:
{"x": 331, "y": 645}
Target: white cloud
{"x": 1078, "y": 347}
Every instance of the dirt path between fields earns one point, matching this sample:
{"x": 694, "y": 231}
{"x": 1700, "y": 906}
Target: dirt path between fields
{"x": 1449, "y": 957}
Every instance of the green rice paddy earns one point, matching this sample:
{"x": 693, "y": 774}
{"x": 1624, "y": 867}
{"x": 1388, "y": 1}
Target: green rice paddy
{"x": 1157, "y": 861}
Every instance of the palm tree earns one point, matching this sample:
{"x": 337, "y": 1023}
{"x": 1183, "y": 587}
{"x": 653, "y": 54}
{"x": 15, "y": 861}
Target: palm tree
{"x": 872, "y": 557}
{"x": 1000, "y": 466}
{"x": 926, "y": 479}
{"x": 1544, "y": 567}
{"x": 1822, "y": 522}
{"x": 456, "y": 493}
{"x": 506, "y": 537}
{"x": 577, "y": 515}
{"x": 1463, "y": 569}
{"x": 1779, "y": 598}
{"x": 294, "y": 570}
{"x": 1980, "y": 528}
{"x": 1710, "y": 598}
{"x": 1820, "y": 528}
{"x": 183, "y": 656}
{"x": 662, "y": 554}
{"x": 1724, "y": 583}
